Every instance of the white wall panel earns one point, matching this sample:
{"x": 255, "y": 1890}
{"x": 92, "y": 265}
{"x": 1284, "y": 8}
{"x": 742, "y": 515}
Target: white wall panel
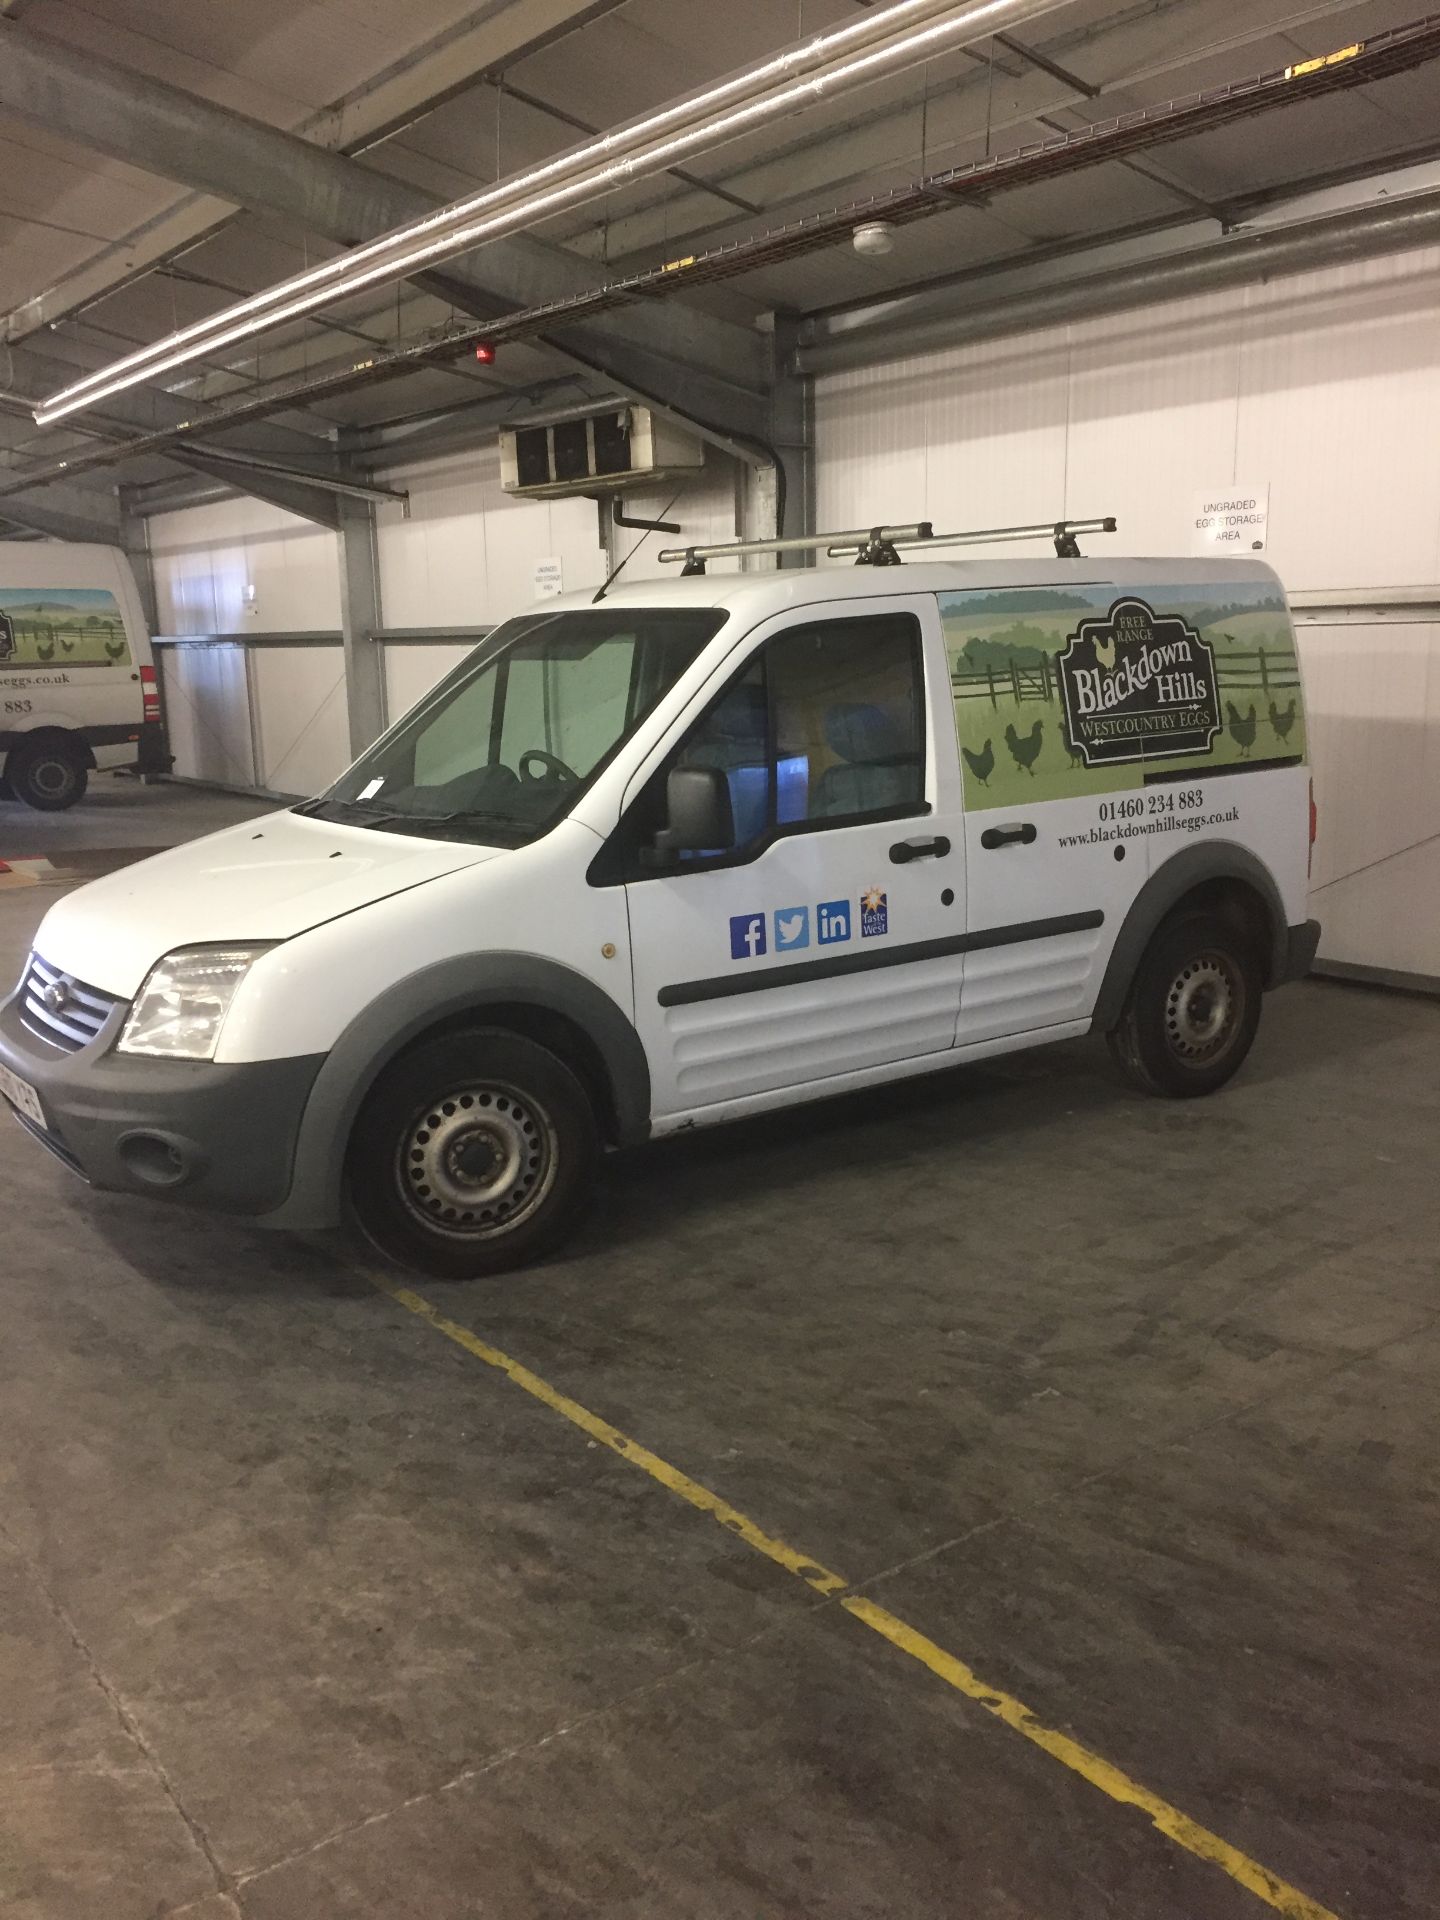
{"x": 1373, "y": 699}
{"x": 1327, "y": 386}
{"x": 705, "y": 504}
{"x": 466, "y": 554}
{"x": 207, "y": 706}
{"x": 302, "y": 728}
{"x": 206, "y": 558}
{"x": 411, "y": 671}
{"x": 1340, "y": 411}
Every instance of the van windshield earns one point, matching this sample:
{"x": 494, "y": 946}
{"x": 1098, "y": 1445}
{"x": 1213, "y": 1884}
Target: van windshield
{"x": 505, "y": 745}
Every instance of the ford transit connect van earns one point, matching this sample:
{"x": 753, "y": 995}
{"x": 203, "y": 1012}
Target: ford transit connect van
{"x": 708, "y": 847}
{"x": 77, "y": 681}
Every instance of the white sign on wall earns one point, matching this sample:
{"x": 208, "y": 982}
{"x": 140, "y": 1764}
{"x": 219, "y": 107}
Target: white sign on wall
{"x": 549, "y": 578}
{"x": 1231, "y": 520}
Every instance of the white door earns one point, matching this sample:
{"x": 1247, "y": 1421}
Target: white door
{"x": 1046, "y": 892}
{"x": 829, "y": 938}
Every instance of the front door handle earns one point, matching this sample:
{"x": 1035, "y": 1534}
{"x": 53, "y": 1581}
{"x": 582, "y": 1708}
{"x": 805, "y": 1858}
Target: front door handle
{"x": 1020, "y": 836}
{"x": 904, "y": 851}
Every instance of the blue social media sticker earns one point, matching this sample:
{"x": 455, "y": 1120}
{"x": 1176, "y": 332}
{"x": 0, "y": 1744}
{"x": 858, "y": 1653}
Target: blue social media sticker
{"x": 792, "y": 928}
{"x": 747, "y": 935}
{"x": 832, "y": 921}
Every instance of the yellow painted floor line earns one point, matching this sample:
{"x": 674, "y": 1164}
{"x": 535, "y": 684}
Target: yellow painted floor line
{"x": 1176, "y": 1826}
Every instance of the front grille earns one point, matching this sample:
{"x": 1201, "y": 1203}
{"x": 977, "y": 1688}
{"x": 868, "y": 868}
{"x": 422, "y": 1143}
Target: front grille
{"x": 72, "y": 1015}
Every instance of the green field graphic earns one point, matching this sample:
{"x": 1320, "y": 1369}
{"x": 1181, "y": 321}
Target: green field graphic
{"x": 1003, "y": 649}
{"x": 61, "y": 627}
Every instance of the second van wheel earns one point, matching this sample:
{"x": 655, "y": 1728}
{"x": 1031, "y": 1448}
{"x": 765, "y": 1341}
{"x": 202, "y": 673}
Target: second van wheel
{"x": 1193, "y": 1009}
{"x": 48, "y": 774}
{"x": 473, "y": 1154}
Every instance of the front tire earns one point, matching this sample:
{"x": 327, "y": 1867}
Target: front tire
{"x": 1193, "y": 1009}
{"x": 49, "y": 775}
{"x": 473, "y": 1155}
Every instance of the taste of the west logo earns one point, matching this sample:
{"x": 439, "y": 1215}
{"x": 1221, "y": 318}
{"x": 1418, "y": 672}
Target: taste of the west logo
{"x": 1138, "y": 685}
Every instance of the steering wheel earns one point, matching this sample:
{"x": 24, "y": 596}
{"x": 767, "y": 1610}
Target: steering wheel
{"x": 549, "y": 763}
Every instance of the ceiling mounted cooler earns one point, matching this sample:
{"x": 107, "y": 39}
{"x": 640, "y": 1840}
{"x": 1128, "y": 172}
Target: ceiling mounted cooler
{"x": 596, "y": 452}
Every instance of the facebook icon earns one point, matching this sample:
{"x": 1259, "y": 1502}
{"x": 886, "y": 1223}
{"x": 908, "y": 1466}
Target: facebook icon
{"x": 747, "y": 936}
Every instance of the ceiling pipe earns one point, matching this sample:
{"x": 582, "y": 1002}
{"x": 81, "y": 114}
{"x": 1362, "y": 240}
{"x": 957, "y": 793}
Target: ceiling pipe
{"x": 829, "y": 64}
{"x": 1389, "y": 226}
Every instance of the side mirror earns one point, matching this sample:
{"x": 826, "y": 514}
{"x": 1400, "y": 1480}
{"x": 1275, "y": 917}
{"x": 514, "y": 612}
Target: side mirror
{"x": 700, "y": 818}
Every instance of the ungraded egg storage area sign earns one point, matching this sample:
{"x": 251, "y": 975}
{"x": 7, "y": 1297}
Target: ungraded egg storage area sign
{"x": 1234, "y": 520}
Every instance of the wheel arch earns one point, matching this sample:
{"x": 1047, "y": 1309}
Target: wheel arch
{"x": 19, "y": 740}
{"x": 1219, "y": 877}
{"x": 542, "y": 999}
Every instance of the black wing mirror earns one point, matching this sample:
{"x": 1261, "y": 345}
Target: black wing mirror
{"x": 700, "y": 817}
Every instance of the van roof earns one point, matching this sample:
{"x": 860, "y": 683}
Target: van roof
{"x": 761, "y": 594}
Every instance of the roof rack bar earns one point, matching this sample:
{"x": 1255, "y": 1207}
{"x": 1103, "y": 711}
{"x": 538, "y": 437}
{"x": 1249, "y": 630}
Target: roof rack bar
{"x": 877, "y": 546}
{"x": 1059, "y": 530}
{"x": 804, "y": 543}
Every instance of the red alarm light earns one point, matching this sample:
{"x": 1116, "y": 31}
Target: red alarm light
{"x": 484, "y": 352}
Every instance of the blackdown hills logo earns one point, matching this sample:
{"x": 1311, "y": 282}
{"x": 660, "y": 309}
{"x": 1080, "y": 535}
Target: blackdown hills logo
{"x": 7, "y": 638}
{"x": 1138, "y": 685}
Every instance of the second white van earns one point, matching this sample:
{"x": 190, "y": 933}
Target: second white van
{"x": 77, "y": 680}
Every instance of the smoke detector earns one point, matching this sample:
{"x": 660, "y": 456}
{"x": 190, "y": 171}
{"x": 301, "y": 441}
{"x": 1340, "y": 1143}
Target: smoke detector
{"x": 875, "y": 238}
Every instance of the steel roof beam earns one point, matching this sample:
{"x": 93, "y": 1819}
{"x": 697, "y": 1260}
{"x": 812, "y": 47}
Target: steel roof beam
{"x": 708, "y": 369}
{"x": 491, "y": 38}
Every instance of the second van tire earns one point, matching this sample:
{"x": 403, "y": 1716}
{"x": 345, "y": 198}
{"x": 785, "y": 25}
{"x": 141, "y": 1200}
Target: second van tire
{"x": 49, "y": 773}
{"x": 1193, "y": 1008}
{"x": 474, "y": 1153}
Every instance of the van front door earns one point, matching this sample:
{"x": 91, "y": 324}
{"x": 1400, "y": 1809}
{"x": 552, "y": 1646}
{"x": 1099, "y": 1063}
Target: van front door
{"x": 827, "y": 939}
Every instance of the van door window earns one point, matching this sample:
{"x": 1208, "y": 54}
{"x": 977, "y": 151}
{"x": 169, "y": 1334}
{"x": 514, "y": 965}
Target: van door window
{"x": 824, "y": 727}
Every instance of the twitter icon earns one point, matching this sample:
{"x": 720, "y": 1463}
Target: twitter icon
{"x": 792, "y": 929}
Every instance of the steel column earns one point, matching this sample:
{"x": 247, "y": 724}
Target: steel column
{"x": 359, "y": 621}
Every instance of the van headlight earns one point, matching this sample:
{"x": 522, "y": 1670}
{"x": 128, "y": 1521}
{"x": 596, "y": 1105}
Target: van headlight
{"x": 179, "y": 1011}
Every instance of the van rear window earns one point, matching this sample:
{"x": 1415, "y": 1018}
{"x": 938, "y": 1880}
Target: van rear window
{"x": 52, "y": 627}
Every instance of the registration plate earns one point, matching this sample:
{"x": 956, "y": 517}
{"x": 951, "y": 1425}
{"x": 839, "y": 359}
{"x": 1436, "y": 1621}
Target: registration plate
{"x": 21, "y": 1094}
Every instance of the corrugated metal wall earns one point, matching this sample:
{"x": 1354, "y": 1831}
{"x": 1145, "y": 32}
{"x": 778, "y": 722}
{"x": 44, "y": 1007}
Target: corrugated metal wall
{"x": 1326, "y": 386}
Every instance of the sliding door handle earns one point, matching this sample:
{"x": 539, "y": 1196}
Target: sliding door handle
{"x": 1020, "y": 836}
{"x": 904, "y": 851}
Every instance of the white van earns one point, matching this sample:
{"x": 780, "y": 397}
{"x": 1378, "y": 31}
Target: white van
{"x": 708, "y": 847}
{"x": 77, "y": 682}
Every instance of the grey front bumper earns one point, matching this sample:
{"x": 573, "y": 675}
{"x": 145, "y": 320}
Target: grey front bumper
{"x": 192, "y": 1131}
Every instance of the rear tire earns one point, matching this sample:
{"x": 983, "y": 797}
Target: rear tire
{"x": 1193, "y": 1009}
{"x": 48, "y": 774}
{"x": 473, "y": 1155}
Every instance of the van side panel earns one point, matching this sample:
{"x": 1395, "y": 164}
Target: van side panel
{"x": 1105, "y": 688}
{"x": 72, "y": 645}
{"x": 1122, "y": 723}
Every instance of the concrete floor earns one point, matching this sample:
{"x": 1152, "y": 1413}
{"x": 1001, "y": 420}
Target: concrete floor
{"x": 306, "y": 1614}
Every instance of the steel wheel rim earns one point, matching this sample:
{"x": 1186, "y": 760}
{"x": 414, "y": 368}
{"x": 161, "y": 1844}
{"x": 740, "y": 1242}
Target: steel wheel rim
{"x": 51, "y": 777}
{"x": 477, "y": 1162}
{"x": 1202, "y": 1009}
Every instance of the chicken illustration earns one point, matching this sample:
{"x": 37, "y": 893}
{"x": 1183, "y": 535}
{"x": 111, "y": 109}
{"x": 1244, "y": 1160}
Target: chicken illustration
{"x": 1282, "y": 722}
{"x": 1077, "y": 759}
{"x": 1242, "y": 729}
{"x": 981, "y": 764}
{"x": 1026, "y": 751}
{"x": 45, "y": 650}
{"x": 1104, "y": 652}
{"x": 115, "y": 649}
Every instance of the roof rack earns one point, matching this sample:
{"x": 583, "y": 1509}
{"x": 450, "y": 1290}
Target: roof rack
{"x": 881, "y": 546}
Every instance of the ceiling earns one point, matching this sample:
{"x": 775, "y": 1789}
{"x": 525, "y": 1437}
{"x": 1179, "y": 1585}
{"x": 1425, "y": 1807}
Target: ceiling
{"x": 98, "y": 255}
